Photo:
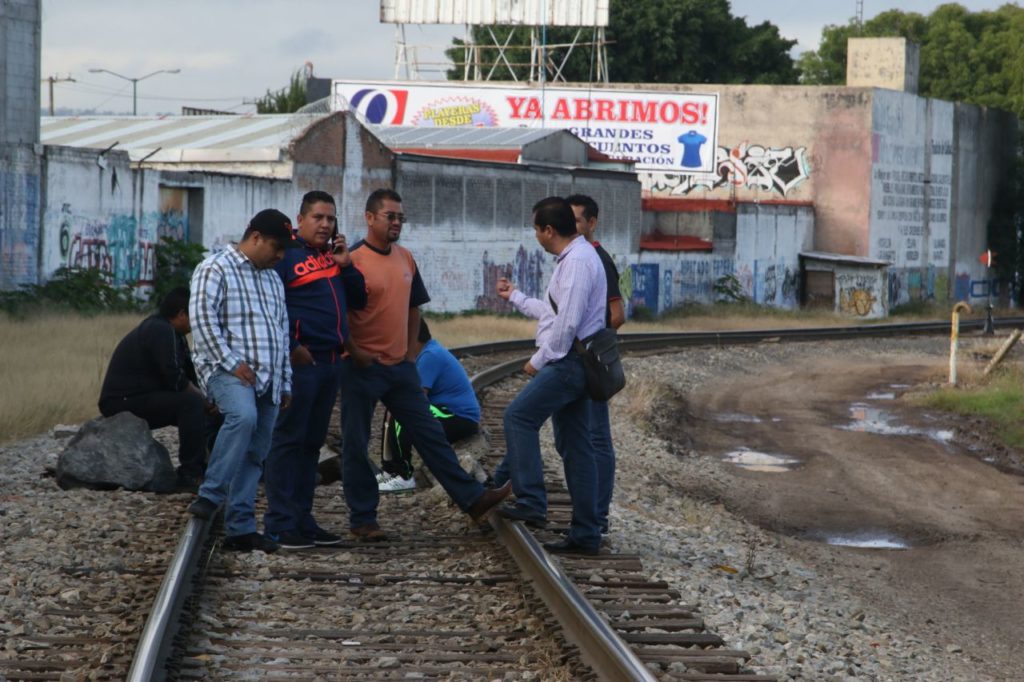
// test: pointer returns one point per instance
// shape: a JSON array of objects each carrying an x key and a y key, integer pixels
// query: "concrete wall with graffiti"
[
  {"x": 769, "y": 240},
  {"x": 768, "y": 139},
  {"x": 984, "y": 153},
  {"x": 790, "y": 144},
  {"x": 911, "y": 190},
  {"x": 470, "y": 224},
  {"x": 765, "y": 263},
  {"x": 891, "y": 175},
  {"x": 94, "y": 217},
  {"x": 861, "y": 292},
  {"x": 19, "y": 215},
  {"x": 87, "y": 210}
]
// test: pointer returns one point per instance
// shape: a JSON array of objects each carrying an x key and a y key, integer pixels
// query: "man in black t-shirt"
[
  {"x": 151, "y": 375},
  {"x": 585, "y": 209}
]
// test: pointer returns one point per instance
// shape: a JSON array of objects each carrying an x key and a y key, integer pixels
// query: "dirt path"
[{"x": 959, "y": 581}]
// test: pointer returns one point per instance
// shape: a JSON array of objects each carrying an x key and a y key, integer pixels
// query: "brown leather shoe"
[
  {"x": 369, "y": 532},
  {"x": 486, "y": 503}
]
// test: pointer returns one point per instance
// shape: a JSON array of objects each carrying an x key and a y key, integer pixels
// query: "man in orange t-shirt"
[{"x": 380, "y": 368}]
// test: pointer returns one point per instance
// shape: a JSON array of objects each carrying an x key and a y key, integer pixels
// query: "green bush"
[
  {"x": 84, "y": 290},
  {"x": 642, "y": 313},
  {"x": 728, "y": 288},
  {"x": 175, "y": 261}
]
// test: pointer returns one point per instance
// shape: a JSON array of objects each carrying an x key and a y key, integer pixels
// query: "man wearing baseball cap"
[{"x": 240, "y": 333}]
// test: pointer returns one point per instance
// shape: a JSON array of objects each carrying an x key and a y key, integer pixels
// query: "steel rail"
[
  {"x": 601, "y": 646},
  {"x": 651, "y": 340},
  {"x": 157, "y": 635}
]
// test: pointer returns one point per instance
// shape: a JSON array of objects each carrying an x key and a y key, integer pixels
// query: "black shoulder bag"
[{"x": 602, "y": 365}]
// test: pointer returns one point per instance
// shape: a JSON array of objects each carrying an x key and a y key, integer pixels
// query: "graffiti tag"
[{"x": 778, "y": 170}]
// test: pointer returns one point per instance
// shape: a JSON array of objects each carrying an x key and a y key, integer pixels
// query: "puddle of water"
[
  {"x": 867, "y": 541},
  {"x": 752, "y": 460},
  {"x": 882, "y": 395},
  {"x": 868, "y": 419},
  {"x": 736, "y": 417}
]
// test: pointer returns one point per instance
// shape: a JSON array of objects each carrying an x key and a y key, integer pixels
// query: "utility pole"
[
  {"x": 860, "y": 15},
  {"x": 56, "y": 79}
]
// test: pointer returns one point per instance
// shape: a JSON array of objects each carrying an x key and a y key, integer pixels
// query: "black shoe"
[
  {"x": 322, "y": 538},
  {"x": 202, "y": 508},
  {"x": 291, "y": 539},
  {"x": 249, "y": 542},
  {"x": 186, "y": 483},
  {"x": 567, "y": 546},
  {"x": 518, "y": 512}
]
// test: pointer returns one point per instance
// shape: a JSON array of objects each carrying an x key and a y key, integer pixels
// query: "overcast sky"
[{"x": 232, "y": 51}]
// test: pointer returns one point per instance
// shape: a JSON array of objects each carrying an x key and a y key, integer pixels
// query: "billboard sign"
[
  {"x": 496, "y": 12},
  {"x": 658, "y": 131}
]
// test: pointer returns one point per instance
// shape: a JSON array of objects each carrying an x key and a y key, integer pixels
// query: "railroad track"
[{"x": 441, "y": 599}]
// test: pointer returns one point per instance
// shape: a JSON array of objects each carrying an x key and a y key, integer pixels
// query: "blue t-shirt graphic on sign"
[{"x": 691, "y": 142}]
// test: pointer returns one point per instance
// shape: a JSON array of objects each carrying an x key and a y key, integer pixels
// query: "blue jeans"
[
  {"x": 236, "y": 462},
  {"x": 604, "y": 457},
  {"x": 290, "y": 471},
  {"x": 557, "y": 391},
  {"x": 398, "y": 387}
]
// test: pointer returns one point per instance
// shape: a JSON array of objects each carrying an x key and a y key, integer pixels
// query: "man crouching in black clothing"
[{"x": 151, "y": 375}]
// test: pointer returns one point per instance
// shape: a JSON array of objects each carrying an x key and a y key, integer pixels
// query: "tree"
[
  {"x": 286, "y": 100},
  {"x": 655, "y": 41},
  {"x": 975, "y": 57},
  {"x": 827, "y": 64}
]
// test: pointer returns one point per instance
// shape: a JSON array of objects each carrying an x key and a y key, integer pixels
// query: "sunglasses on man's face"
[{"x": 391, "y": 217}]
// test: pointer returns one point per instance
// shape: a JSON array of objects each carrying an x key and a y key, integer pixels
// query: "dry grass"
[
  {"x": 52, "y": 369},
  {"x": 472, "y": 329},
  {"x": 52, "y": 366},
  {"x": 641, "y": 398}
]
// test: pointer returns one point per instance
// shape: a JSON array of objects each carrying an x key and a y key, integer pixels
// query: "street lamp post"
[{"x": 135, "y": 83}]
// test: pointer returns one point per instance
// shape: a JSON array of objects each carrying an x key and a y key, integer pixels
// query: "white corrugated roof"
[{"x": 251, "y": 137}]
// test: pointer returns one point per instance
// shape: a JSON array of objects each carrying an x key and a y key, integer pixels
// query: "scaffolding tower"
[{"x": 588, "y": 17}]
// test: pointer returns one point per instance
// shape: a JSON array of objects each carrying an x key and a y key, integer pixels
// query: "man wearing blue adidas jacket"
[{"x": 319, "y": 288}]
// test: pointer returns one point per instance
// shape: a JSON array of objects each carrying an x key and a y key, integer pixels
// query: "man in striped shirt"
[
  {"x": 574, "y": 309},
  {"x": 240, "y": 333}
]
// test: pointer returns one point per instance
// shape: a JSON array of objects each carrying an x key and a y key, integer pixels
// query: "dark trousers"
[
  {"x": 397, "y": 456},
  {"x": 183, "y": 409},
  {"x": 398, "y": 387},
  {"x": 557, "y": 391},
  {"x": 290, "y": 470}
]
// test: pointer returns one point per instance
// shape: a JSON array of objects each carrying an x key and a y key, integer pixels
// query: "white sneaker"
[
  {"x": 383, "y": 477},
  {"x": 397, "y": 484}
]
